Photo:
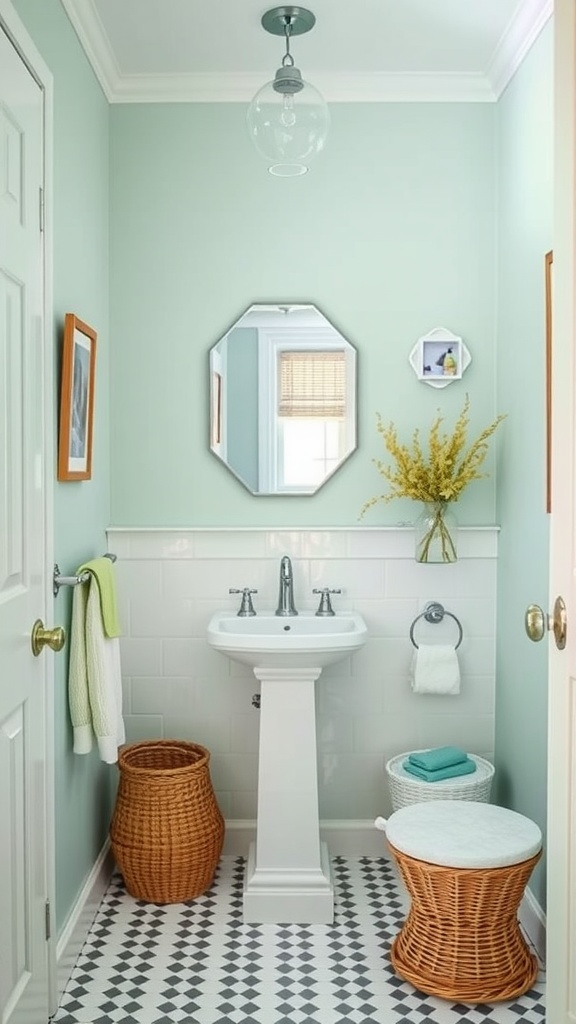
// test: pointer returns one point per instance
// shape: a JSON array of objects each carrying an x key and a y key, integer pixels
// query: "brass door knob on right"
[{"x": 537, "y": 622}]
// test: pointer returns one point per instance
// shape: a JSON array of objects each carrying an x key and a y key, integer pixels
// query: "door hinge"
[
  {"x": 47, "y": 927},
  {"x": 41, "y": 208}
]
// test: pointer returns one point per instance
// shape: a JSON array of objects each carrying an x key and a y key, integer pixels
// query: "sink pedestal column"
[{"x": 288, "y": 873}]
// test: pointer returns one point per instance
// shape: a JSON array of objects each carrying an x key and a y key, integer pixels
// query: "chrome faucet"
[{"x": 286, "y": 593}]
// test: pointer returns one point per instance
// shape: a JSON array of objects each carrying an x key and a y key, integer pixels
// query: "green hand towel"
[
  {"x": 450, "y": 772},
  {"x": 438, "y": 757},
  {"x": 103, "y": 571}
]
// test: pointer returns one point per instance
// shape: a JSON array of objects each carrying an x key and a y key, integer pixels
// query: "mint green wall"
[
  {"x": 524, "y": 236},
  {"x": 81, "y": 510},
  {"x": 390, "y": 234}
]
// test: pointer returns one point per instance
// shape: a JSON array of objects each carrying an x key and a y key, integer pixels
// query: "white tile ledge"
[
  {"x": 311, "y": 543},
  {"x": 494, "y": 528}
]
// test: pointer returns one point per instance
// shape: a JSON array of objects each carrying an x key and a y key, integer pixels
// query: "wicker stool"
[{"x": 465, "y": 865}]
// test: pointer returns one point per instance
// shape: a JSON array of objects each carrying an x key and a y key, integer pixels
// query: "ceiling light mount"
[
  {"x": 288, "y": 119},
  {"x": 298, "y": 20}
]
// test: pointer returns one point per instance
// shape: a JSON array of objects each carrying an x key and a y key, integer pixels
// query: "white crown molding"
[
  {"x": 529, "y": 20},
  {"x": 94, "y": 42},
  {"x": 336, "y": 88},
  {"x": 341, "y": 87}
]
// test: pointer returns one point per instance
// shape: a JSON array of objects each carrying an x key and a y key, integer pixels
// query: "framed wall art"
[
  {"x": 76, "y": 400},
  {"x": 439, "y": 358}
]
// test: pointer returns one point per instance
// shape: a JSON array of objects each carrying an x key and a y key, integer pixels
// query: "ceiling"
[{"x": 365, "y": 50}]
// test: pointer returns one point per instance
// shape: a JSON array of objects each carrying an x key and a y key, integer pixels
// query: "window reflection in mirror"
[{"x": 283, "y": 399}]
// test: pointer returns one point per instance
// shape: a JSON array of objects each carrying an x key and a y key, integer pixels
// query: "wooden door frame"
[
  {"x": 561, "y": 763},
  {"x": 18, "y": 34}
]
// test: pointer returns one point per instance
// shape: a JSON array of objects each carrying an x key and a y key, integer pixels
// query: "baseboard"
[
  {"x": 345, "y": 838},
  {"x": 240, "y": 832},
  {"x": 533, "y": 920},
  {"x": 79, "y": 920},
  {"x": 353, "y": 838}
]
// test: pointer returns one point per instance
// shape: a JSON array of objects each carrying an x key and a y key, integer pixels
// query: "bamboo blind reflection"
[{"x": 312, "y": 384}]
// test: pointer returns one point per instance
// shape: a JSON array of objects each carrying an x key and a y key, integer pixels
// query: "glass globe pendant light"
[{"x": 288, "y": 119}]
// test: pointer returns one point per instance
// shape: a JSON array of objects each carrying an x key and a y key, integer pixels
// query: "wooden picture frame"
[
  {"x": 548, "y": 283},
  {"x": 76, "y": 400}
]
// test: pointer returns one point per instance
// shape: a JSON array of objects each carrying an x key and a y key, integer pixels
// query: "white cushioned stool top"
[{"x": 463, "y": 834}]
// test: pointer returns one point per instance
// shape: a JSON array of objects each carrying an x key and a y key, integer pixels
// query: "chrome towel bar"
[
  {"x": 434, "y": 612},
  {"x": 58, "y": 580}
]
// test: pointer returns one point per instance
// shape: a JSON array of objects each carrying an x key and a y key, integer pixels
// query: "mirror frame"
[{"x": 216, "y": 390}]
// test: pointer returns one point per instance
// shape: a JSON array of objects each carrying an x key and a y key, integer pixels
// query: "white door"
[
  {"x": 24, "y": 949},
  {"x": 561, "y": 831}
]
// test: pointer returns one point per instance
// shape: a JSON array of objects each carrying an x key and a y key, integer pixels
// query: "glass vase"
[{"x": 435, "y": 533}]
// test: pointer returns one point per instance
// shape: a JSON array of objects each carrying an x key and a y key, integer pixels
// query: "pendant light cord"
[{"x": 287, "y": 59}]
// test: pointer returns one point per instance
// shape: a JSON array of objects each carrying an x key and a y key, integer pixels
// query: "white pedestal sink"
[{"x": 288, "y": 877}]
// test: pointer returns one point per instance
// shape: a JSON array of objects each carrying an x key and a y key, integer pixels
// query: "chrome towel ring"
[{"x": 434, "y": 612}]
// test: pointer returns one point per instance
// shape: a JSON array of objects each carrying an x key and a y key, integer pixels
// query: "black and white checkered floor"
[{"x": 198, "y": 963}]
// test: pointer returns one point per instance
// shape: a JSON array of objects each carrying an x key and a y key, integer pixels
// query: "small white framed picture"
[{"x": 439, "y": 357}]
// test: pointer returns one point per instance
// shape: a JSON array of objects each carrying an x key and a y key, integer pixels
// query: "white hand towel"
[
  {"x": 435, "y": 669},
  {"x": 95, "y": 681}
]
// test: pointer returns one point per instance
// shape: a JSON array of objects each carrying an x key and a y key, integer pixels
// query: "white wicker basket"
[{"x": 407, "y": 789}]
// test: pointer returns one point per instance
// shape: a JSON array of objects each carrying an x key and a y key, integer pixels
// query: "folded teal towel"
[
  {"x": 450, "y": 772},
  {"x": 439, "y": 757}
]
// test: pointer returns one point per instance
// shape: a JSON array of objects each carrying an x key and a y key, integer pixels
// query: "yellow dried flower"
[{"x": 443, "y": 474}]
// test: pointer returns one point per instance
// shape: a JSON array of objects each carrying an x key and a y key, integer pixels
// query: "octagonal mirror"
[{"x": 283, "y": 399}]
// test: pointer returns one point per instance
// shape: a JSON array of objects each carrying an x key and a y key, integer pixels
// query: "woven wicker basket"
[
  {"x": 167, "y": 830},
  {"x": 406, "y": 789}
]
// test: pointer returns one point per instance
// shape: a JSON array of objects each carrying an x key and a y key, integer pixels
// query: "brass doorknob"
[
  {"x": 41, "y": 637},
  {"x": 536, "y": 622}
]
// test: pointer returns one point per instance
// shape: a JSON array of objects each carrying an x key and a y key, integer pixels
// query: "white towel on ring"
[{"x": 435, "y": 669}]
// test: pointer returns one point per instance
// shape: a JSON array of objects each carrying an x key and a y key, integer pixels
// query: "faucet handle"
[
  {"x": 325, "y": 606},
  {"x": 246, "y": 606}
]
